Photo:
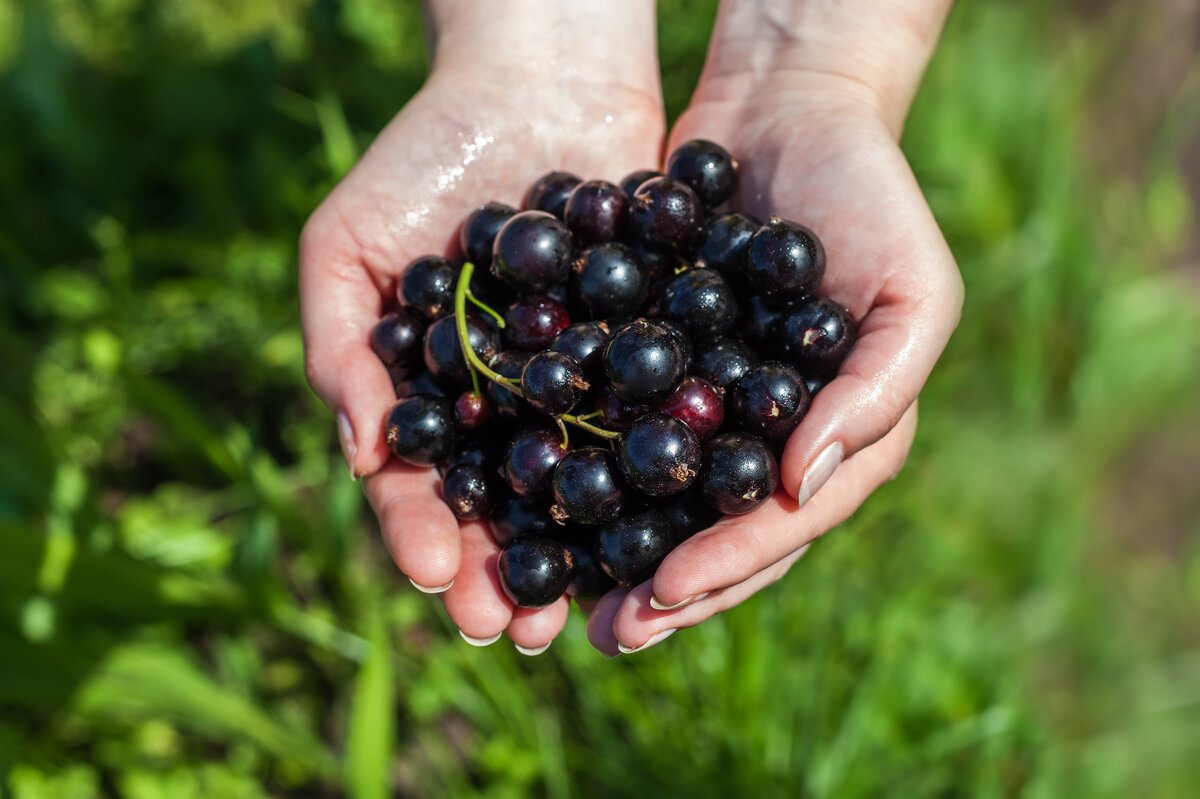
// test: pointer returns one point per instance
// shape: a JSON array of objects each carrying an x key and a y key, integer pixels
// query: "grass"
[{"x": 192, "y": 597}]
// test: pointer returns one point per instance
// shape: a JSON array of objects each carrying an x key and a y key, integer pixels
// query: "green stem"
[
  {"x": 461, "y": 292},
  {"x": 485, "y": 308}
]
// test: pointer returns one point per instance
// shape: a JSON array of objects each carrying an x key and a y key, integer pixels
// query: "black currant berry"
[
  {"x": 552, "y": 382},
  {"x": 532, "y": 322},
  {"x": 724, "y": 242},
  {"x": 608, "y": 281},
  {"x": 688, "y": 513},
  {"x": 698, "y": 404},
  {"x": 421, "y": 383},
  {"x": 471, "y": 411},
  {"x": 478, "y": 233},
  {"x": 532, "y": 252},
  {"x": 631, "y": 182},
  {"x": 817, "y": 336},
  {"x": 510, "y": 364},
  {"x": 740, "y": 472},
  {"x": 707, "y": 167},
  {"x": 419, "y": 429},
  {"x": 428, "y": 287},
  {"x": 785, "y": 262},
  {"x": 724, "y": 362},
  {"x": 397, "y": 339},
  {"x": 584, "y": 341},
  {"x": 467, "y": 491},
  {"x": 630, "y": 548},
  {"x": 700, "y": 301},
  {"x": 597, "y": 211},
  {"x": 644, "y": 360},
  {"x": 530, "y": 460},
  {"x": 534, "y": 571},
  {"x": 550, "y": 192},
  {"x": 666, "y": 213},
  {"x": 587, "y": 487},
  {"x": 516, "y": 517},
  {"x": 443, "y": 352},
  {"x": 770, "y": 400},
  {"x": 588, "y": 580},
  {"x": 658, "y": 454}
]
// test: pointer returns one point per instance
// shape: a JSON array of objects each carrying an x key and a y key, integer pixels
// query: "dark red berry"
[
  {"x": 698, "y": 404},
  {"x": 471, "y": 411},
  {"x": 597, "y": 211},
  {"x": 531, "y": 323}
]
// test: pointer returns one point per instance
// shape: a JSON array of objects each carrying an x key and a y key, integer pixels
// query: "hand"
[
  {"x": 817, "y": 145},
  {"x": 489, "y": 122}
]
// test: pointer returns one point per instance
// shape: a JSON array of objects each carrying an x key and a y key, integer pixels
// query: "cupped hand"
[
  {"x": 819, "y": 149},
  {"x": 478, "y": 131}
]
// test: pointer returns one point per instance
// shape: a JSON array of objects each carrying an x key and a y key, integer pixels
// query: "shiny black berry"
[
  {"x": 630, "y": 548},
  {"x": 530, "y": 460},
  {"x": 597, "y": 211},
  {"x": 478, "y": 232},
  {"x": 644, "y": 360},
  {"x": 724, "y": 242},
  {"x": 428, "y": 287},
  {"x": 700, "y": 301},
  {"x": 552, "y": 382},
  {"x": 587, "y": 487},
  {"x": 707, "y": 168},
  {"x": 510, "y": 364},
  {"x": 666, "y": 213},
  {"x": 468, "y": 492},
  {"x": 443, "y": 352},
  {"x": 724, "y": 362},
  {"x": 550, "y": 192},
  {"x": 532, "y": 252},
  {"x": 532, "y": 322},
  {"x": 534, "y": 571},
  {"x": 397, "y": 339},
  {"x": 608, "y": 281},
  {"x": 740, "y": 472},
  {"x": 631, "y": 182},
  {"x": 770, "y": 400},
  {"x": 584, "y": 341},
  {"x": 419, "y": 429},
  {"x": 688, "y": 513},
  {"x": 658, "y": 454},
  {"x": 817, "y": 337},
  {"x": 785, "y": 262}
]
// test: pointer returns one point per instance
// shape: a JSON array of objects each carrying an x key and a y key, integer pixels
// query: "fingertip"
[
  {"x": 534, "y": 628},
  {"x": 600, "y": 623}
]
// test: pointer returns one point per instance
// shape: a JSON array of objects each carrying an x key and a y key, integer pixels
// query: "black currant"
[
  {"x": 785, "y": 262},
  {"x": 817, "y": 336},
  {"x": 723, "y": 362},
  {"x": 534, "y": 571},
  {"x": 552, "y": 382},
  {"x": 630, "y": 183},
  {"x": 666, "y": 213},
  {"x": 597, "y": 211},
  {"x": 584, "y": 341},
  {"x": 471, "y": 411},
  {"x": 428, "y": 287},
  {"x": 770, "y": 400},
  {"x": 698, "y": 404},
  {"x": 467, "y": 491},
  {"x": 530, "y": 460},
  {"x": 587, "y": 487},
  {"x": 707, "y": 168},
  {"x": 510, "y": 364},
  {"x": 532, "y": 322},
  {"x": 478, "y": 233},
  {"x": 443, "y": 352},
  {"x": 588, "y": 579},
  {"x": 644, "y": 360},
  {"x": 550, "y": 192},
  {"x": 740, "y": 472},
  {"x": 514, "y": 516},
  {"x": 658, "y": 454},
  {"x": 724, "y": 242},
  {"x": 608, "y": 281},
  {"x": 630, "y": 548},
  {"x": 419, "y": 429},
  {"x": 397, "y": 339},
  {"x": 532, "y": 252},
  {"x": 702, "y": 302}
]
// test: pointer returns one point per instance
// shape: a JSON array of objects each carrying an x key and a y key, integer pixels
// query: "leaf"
[{"x": 372, "y": 736}]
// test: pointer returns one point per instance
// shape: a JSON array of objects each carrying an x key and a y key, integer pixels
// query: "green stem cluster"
[{"x": 462, "y": 292}]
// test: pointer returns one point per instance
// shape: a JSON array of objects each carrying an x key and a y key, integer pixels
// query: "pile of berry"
[{"x": 650, "y": 362}]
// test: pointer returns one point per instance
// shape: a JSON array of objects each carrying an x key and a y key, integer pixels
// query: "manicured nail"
[
  {"x": 654, "y": 639},
  {"x": 346, "y": 438},
  {"x": 424, "y": 589},
  {"x": 654, "y": 603},
  {"x": 819, "y": 471},
  {"x": 537, "y": 650},
  {"x": 479, "y": 641}
]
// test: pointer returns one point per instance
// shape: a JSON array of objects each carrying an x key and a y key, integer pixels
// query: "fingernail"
[
  {"x": 346, "y": 438},
  {"x": 819, "y": 471},
  {"x": 537, "y": 650},
  {"x": 654, "y": 603},
  {"x": 424, "y": 589},
  {"x": 479, "y": 641},
  {"x": 654, "y": 639}
]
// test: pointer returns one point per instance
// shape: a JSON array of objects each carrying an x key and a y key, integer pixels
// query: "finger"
[
  {"x": 339, "y": 304},
  {"x": 533, "y": 629},
  {"x": 638, "y": 626},
  {"x": 418, "y": 528},
  {"x": 600, "y": 622},
  {"x": 476, "y": 602},
  {"x": 738, "y": 547}
]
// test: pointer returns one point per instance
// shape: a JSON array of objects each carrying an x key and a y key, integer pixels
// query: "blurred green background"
[{"x": 193, "y": 600}]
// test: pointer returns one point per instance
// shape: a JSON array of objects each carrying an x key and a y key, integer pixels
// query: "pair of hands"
[{"x": 814, "y": 144}]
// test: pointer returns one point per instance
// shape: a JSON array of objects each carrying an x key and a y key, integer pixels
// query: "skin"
[{"x": 815, "y": 130}]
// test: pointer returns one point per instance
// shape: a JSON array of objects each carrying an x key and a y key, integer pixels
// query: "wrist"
[
  {"x": 557, "y": 44},
  {"x": 856, "y": 50}
]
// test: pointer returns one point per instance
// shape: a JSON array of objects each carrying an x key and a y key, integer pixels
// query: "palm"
[{"x": 459, "y": 143}]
